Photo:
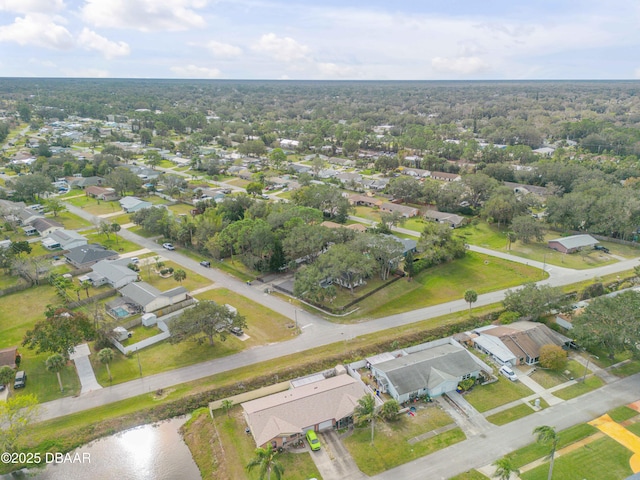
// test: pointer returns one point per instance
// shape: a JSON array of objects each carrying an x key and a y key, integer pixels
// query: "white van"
[{"x": 508, "y": 372}]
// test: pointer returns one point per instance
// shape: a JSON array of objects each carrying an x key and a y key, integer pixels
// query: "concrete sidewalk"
[{"x": 84, "y": 368}]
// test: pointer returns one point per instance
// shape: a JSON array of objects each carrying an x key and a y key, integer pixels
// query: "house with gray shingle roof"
[
  {"x": 46, "y": 226},
  {"x": 451, "y": 219},
  {"x": 404, "y": 210},
  {"x": 112, "y": 272},
  {"x": 133, "y": 204},
  {"x": 65, "y": 239},
  {"x": 433, "y": 371},
  {"x": 284, "y": 417},
  {"x": 149, "y": 299},
  {"x": 87, "y": 255}
]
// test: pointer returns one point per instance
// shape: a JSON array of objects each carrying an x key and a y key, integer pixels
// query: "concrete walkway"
[{"x": 85, "y": 370}]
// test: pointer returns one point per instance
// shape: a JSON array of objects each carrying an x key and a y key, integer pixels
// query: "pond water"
[{"x": 150, "y": 452}]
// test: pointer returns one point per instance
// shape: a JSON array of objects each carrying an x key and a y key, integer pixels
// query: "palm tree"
[
  {"x": 179, "y": 275},
  {"x": 55, "y": 363},
  {"x": 105, "y": 356},
  {"x": 115, "y": 228},
  {"x": 470, "y": 296},
  {"x": 365, "y": 412},
  {"x": 504, "y": 469},
  {"x": 546, "y": 435},
  {"x": 226, "y": 405},
  {"x": 266, "y": 462},
  {"x": 86, "y": 285}
]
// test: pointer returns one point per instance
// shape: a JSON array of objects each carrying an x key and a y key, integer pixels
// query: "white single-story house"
[
  {"x": 320, "y": 405},
  {"x": 46, "y": 226},
  {"x": 64, "y": 239},
  {"x": 433, "y": 371},
  {"x": 133, "y": 204},
  {"x": 404, "y": 210},
  {"x": 149, "y": 299},
  {"x": 451, "y": 219},
  {"x": 111, "y": 272}
]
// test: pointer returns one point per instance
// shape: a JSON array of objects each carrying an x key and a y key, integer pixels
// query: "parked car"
[
  {"x": 135, "y": 260},
  {"x": 204, "y": 263},
  {"x": 168, "y": 246},
  {"x": 312, "y": 438},
  {"x": 508, "y": 372},
  {"x": 237, "y": 331},
  {"x": 602, "y": 248},
  {"x": 21, "y": 379}
]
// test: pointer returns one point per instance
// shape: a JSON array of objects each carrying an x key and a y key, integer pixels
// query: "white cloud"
[
  {"x": 90, "y": 40},
  {"x": 283, "y": 49},
  {"x": 38, "y": 30},
  {"x": 145, "y": 15},
  {"x": 459, "y": 65},
  {"x": 32, "y": 6},
  {"x": 332, "y": 70},
  {"x": 193, "y": 71},
  {"x": 223, "y": 50}
]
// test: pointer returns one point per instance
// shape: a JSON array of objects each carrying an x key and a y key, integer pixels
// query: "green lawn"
[
  {"x": 112, "y": 242},
  {"x": 622, "y": 413},
  {"x": 44, "y": 384},
  {"x": 487, "y": 397},
  {"x": 391, "y": 440},
  {"x": 629, "y": 368},
  {"x": 470, "y": 475},
  {"x": 94, "y": 206},
  {"x": 551, "y": 378},
  {"x": 511, "y": 414},
  {"x": 263, "y": 324},
  {"x": 602, "y": 459},
  {"x": 181, "y": 208},
  {"x": 444, "y": 283},
  {"x": 71, "y": 221},
  {"x": 490, "y": 236},
  {"x": 534, "y": 451},
  {"x": 138, "y": 230},
  {"x": 192, "y": 282},
  {"x": 580, "y": 388}
]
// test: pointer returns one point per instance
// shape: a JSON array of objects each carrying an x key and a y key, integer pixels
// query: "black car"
[
  {"x": 204, "y": 263},
  {"x": 237, "y": 331},
  {"x": 602, "y": 248}
]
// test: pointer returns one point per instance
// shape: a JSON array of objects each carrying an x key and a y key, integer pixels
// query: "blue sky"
[{"x": 321, "y": 39}]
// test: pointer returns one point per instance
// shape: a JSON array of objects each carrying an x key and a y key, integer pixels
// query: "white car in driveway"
[
  {"x": 168, "y": 246},
  {"x": 508, "y": 372}
]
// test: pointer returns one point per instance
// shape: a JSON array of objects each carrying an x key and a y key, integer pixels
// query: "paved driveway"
[{"x": 333, "y": 460}]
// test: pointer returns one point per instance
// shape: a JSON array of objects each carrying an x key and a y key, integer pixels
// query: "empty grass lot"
[
  {"x": 470, "y": 475},
  {"x": 94, "y": 206},
  {"x": 551, "y": 378},
  {"x": 445, "y": 283},
  {"x": 192, "y": 282},
  {"x": 391, "y": 441},
  {"x": 118, "y": 244},
  {"x": 487, "y": 397},
  {"x": 71, "y": 221},
  {"x": 602, "y": 459},
  {"x": 580, "y": 388}
]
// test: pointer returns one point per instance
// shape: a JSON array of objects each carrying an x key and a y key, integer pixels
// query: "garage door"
[{"x": 325, "y": 425}]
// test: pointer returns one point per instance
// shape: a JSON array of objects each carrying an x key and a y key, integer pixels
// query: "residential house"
[
  {"x": 408, "y": 244},
  {"x": 345, "y": 162},
  {"x": 364, "y": 200},
  {"x": 283, "y": 417},
  {"x": 523, "y": 189},
  {"x": 111, "y": 272},
  {"x": 572, "y": 244},
  {"x": 453, "y": 220},
  {"x": 64, "y": 239},
  {"x": 446, "y": 177},
  {"x": 358, "y": 227},
  {"x": 133, "y": 204},
  {"x": 377, "y": 184},
  {"x": 85, "y": 182},
  {"x": 349, "y": 178},
  {"x": 26, "y": 216},
  {"x": 416, "y": 172},
  {"x": 45, "y": 226},
  {"x": 149, "y": 299},
  {"x": 404, "y": 210},
  {"x": 522, "y": 339},
  {"x": 102, "y": 193},
  {"x": 87, "y": 255},
  {"x": 433, "y": 371},
  {"x": 299, "y": 169}
]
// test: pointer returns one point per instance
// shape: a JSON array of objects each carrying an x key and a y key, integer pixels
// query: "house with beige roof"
[{"x": 319, "y": 405}]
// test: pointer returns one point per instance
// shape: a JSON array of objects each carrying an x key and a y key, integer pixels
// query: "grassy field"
[
  {"x": 95, "y": 206},
  {"x": 511, "y": 414},
  {"x": 580, "y": 388},
  {"x": 444, "y": 283},
  {"x": 490, "y": 236},
  {"x": 603, "y": 459},
  {"x": 487, "y": 397},
  {"x": 112, "y": 242},
  {"x": 192, "y": 282},
  {"x": 470, "y": 475},
  {"x": 551, "y": 378},
  {"x": 391, "y": 440}
]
